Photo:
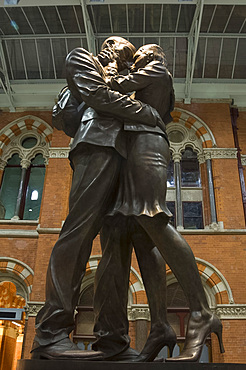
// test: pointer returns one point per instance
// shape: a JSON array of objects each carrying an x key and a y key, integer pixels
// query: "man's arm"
[{"x": 86, "y": 84}]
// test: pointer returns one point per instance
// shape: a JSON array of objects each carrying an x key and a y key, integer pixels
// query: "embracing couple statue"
[{"x": 119, "y": 158}]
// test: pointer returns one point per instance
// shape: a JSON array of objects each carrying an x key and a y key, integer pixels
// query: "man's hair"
[
  {"x": 116, "y": 39},
  {"x": 158, "y": 53}
]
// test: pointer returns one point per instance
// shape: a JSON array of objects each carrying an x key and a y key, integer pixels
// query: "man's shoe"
[
  {"x": 65, "y": 349},
  {"x": 126, "y": 356}
]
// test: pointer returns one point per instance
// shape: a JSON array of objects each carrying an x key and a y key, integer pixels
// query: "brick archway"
[
  {"x": 21, "y": 125},
  {"x": 136, "y": 287},
  {"x": 22, "y": 272},
  {"x": 213, "y": 281},
  {"x": 194, "y": 123}
]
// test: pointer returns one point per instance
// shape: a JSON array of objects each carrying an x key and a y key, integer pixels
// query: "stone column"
[
  {"x": 179, "y": 208},
  {"x": 24, "y": 164},
  {"x": 2, "y": 167},
  {"x": 211, "y": 189},
  {"x": 141, "y": 315}
]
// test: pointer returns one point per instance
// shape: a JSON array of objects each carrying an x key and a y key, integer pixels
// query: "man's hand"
[
  {"x": 107, "y": 56},
  {"x": 111, "y": 70}
]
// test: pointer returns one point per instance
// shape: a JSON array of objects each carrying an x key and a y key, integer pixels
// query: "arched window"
[
  {"x": 24, "y": 148},
  {"x": 184, "y": 197},
  {"x": 22, "y": 187},
  {"x": 10, "y": 187},
  {"x": 189, "y": 174}
]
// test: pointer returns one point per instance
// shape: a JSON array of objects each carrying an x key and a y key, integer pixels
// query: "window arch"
[
  {"x": 188, "y": 136},
  {"x": 24, "y": 148},
  {"x": 19, "y": 273},
  {"x": 215, "y": 285}
]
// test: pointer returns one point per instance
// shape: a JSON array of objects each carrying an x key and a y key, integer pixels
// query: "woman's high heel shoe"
[
  {"x": 157, "y": 339},
  {"x": 198, "y": 330}
]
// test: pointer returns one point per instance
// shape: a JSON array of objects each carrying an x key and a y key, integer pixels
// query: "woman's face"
[{"x": 142, "y": 57}]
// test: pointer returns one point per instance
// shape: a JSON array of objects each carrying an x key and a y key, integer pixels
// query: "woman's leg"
[
  {"x": 179, "y": 256},
  {"x": 153, "y": 271}
]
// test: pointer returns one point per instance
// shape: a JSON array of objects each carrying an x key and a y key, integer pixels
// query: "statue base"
[{"x": 105, "y": 365}]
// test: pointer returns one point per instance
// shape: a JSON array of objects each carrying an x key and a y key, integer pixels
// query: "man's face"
[
  {"x": 142, "y": 57},
  {"x": 113, "y": 49}
]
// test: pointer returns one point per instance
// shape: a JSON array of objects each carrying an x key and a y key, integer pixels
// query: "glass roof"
[{"x": 36, "y": 39}]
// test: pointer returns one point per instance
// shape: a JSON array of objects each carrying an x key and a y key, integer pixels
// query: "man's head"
[
  {"x": 119, "y": 49},
  {"x": 147, "y": 54}
]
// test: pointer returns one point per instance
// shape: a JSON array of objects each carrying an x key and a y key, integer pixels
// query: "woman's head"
[{"x": 146, "y": 54}]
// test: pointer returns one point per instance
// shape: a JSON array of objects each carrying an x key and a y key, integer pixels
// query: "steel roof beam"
[
  {"x": 90, "y": 37},
  {"x": 125, "y": 34},
  {"x": 6, "y": 84},
  {"x": 193, "y": 39},
  {"x": 88, "y": 2}
]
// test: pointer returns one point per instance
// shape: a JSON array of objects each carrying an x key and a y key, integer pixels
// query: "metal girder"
[
  {"x": 91, "y": 40},
  {"x": 6, "y": 83},
  {"x": 125, "y": 34},
  {"x": 89, "y": 2},
  {"x": 193, "y": 39}
]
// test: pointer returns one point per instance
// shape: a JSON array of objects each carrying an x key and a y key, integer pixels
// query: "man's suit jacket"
[{"x": 102, "y": 123}]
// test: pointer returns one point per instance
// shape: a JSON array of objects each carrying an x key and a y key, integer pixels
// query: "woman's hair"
[{"x": 158, "y": 53}]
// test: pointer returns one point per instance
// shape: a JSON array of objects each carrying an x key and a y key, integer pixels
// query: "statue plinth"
[{"x": 104, "y": 365}]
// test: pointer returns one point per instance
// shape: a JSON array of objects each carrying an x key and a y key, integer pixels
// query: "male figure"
[
  {"x": 142, "y": 197},
  {"x": 96, "y": 156}
]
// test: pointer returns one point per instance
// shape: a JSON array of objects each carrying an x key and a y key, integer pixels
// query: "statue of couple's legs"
[{"x": 118, "y": 235}]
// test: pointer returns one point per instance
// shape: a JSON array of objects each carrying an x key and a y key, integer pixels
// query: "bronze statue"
[
  {"x": 96, "y": 156},
  {"x": 119, "y": 158},
  {"x": 142, "y": 198}
]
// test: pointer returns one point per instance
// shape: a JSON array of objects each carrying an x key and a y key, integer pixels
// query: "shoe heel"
[
  {"x": 218, "y": 332},
  {"x": 171, "y": 348}
]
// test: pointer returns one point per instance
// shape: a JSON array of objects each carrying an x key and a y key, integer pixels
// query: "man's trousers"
[{"x": 95, "y": 179}]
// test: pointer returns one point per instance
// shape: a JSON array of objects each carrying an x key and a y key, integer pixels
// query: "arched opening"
[
  {"x": 21, "y": 188},
  {"x": 188, "y": 185},
  {"x": 12, "y": 323},
  {"x": 24, "y": 149}
]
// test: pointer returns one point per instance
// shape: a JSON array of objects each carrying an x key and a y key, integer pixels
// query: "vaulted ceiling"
[{"x": 204, "y": 41}]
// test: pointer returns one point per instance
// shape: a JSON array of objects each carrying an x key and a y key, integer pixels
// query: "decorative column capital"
[
  {"x": 32, "y": 308},
  {"x": 201, "y": 158},
  {"x": 25, "y": 163},
  {"x": 138, "y": 312},
  {"x": 2, "y": 164},
  {"x": 207, "y": 155},
  {"x": 176, "y": 156}
]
